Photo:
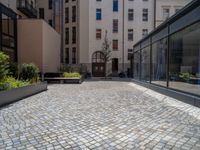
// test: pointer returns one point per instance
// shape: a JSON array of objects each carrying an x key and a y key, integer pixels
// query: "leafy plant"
[
  {"x": 71, "y": 75},
  {"x": 10, "y": 83},
  {"x": 29, "y": 72},
  {"x": 185, "y": 76},
  {"x": 4, "y": 65}
]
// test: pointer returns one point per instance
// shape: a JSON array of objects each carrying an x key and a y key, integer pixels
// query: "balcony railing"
[{"x": 26, "y": 8}]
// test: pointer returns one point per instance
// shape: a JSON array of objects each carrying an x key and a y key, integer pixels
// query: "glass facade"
[
  {"x": 184, "y": 59},
  {"x": 136, "y": 65},
  {"x": 159, "y": 62},
  {"x": 8, "y": 33},
  {"x": 172, "y": 57},
  {"x": 145, "y": 64}
]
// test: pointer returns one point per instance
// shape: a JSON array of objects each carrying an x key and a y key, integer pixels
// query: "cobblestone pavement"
[{"x": 99, "y": 115}]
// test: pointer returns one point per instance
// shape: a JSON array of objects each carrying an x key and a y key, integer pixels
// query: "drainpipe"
[
  {"x": 154, "y": 20},
  {"x": 123, "y": 67}
]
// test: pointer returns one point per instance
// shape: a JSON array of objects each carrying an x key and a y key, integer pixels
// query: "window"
[
  {"x": 166, "y": 14},
  {"x": 144, "y": 32},
  {"x": 145, "y": 64},
  {"x": 159, "y": 62},
  {"x": 67, "y": 55},
  {"x": 184, "y": 60},
  {"x": 41, "y": 13},
  {"x": 115, "y": 45},
  {"x": 115, "y": 5},
  {"x": 73, "y": 13},
  {"x": 137, "y": 68},
  {"x": 50, "y": 22},
  {"x": 130, "y": 14},
  {"x": 73, "y": 55},
  {"x": 98, "y": 34},
  {"x": 130, "y": 34},
  {"x": 115, "y": 25},
  {"x": 145, "y": 15},
  {"x": 67, "y": 15},
  {"x": 67, "y": 36},
  {"x": 73, "y": 35},
  {"x": 98, "y": 14},
  {"x": 50, "y": 4}
]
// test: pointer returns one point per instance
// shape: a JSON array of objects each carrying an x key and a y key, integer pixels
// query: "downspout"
[
  {"x": 154, "y": 23},
  {"x": 123, "y": 67}
]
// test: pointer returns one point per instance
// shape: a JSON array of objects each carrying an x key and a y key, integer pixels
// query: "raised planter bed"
[
  {"x": 63, "y": 80},
  {"x": 7, "y": 97}
]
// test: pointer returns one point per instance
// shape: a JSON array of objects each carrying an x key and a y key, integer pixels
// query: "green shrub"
[
  {"x": 185, "y": 76},
  {"x": 4, "y": 65},
  {"x": 29, "y": 72},
  {"x": 10, "y": 83},
  {"x": 71, "y": 75}
]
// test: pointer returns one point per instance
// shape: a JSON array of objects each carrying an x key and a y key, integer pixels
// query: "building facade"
[
  {"x": 83, "y": 24},
  {"x": 126, "y": 21},
  {"x": 27, "y": 39},
  {"x": 167, "y": 8},
  {"x": 170, "y": 56}
]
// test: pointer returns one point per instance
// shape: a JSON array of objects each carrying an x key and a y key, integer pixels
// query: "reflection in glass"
[
  {"x": 185, "y": 60},
  {"x": 145, "y": 64},
  {"x": 137, "y": 65},
  {"x": 159, "y": 62}
]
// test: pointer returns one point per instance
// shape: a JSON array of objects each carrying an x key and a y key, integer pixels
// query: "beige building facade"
[
  {"x": 33, "y": 40},
  {"x": 167, "y": 8},
  {"x": 40, "y": 46}
]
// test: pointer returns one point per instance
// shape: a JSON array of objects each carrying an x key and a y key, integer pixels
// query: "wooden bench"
[{"x": 63, "y": 80}]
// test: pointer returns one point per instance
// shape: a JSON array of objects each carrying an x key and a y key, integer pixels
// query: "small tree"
[
  {"x": 4, "y": 65},
  {"x": 106, "y": 51}
]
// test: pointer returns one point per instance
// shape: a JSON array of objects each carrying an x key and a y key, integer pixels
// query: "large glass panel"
[
  {"x": 5, "y": 25},
  {"x": 185, "y": 60},
  {"x": 137, "y": 65},
  {"x": 159, "y": 62},
  {"x": 145, "y": 64}
]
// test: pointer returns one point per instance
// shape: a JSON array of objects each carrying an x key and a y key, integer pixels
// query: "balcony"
[{"x": 26, "y": 8}]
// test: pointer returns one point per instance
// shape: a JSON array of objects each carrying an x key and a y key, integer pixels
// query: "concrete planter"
[
  {"x": 63, "y": 80},
  {"x": 7, "y": 97}
]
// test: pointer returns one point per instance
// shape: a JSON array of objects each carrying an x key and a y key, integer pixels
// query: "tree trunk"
[{"x": 105, "y": 70}]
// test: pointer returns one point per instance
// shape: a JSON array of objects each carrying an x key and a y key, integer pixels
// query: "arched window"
[{"x": 98, "y": 57}]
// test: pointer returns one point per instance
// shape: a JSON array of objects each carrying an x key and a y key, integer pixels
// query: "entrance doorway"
[
  {"x": 98, "y": 64},
  {"x": 115, "y": 64}
]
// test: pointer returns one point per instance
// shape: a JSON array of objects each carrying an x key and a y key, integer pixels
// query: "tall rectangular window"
[
  {"x": 41, "y": 13},
  {"x": 73, "y": 55},
  {"x": 67, "y": 15},
  {"x": 130, "y": 14},
  {"x": 67, "y": 55},
  {"x": 166, "y": 14},
  {"x": 115, "y": 45},
  {"x": 98, "y": 14},
  {"x": 145, "y": 14},
  {"x": 50, "y": 4},
  {"x": 115, "y": 25},
  {"x": 73, "y": 35},
  {"x": 67, "y": 36},
  {"x": 98, "y": 34},
  {"x": 115, "y": 5},
  {"x": 130, "y": 34},
  {"x": 144, "y": 32},
  {"x": 73, "y": 13}
]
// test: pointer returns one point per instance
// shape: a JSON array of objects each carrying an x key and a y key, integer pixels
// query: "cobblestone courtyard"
[{"x": 99, "y": 115}]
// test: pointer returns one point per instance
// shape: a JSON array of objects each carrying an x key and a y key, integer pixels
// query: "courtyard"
[{"x": 99, "y": 115}]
